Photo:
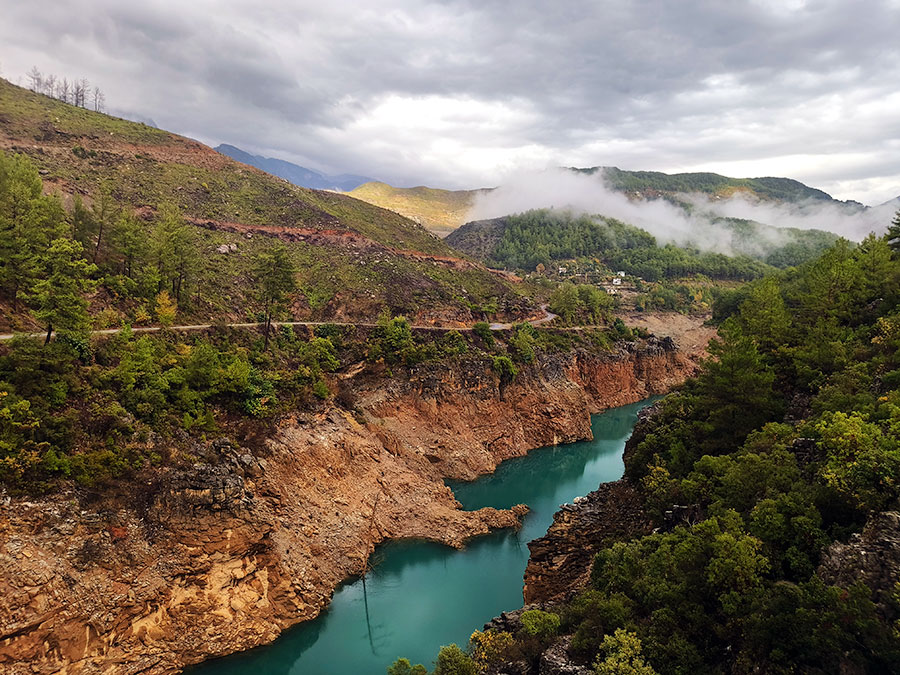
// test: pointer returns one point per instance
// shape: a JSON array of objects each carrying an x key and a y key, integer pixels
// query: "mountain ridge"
[
  {"x": 443, "y": 211},
  {"x": 355, "y": 259},
  {"x": 296, "y": 174},
  {"x": 440, "y": 211}
]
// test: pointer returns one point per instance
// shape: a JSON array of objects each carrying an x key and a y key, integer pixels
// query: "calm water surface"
[{"x": 419, "y": 595}]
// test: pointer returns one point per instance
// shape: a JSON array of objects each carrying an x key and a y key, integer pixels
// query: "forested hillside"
[
  {"x": 655, "y": 182},
  {"x": 756, "y": 475},
  {"x": 545, "y": 236},
  {"x": 107, "y": 224}
]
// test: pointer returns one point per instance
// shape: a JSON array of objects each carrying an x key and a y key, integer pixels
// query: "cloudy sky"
[{"x": 465, "y": 93}]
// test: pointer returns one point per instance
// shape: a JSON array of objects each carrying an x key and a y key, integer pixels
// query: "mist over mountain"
[
  {"x": 296, "y": 174},
  {"x": 684, "y": 209}
]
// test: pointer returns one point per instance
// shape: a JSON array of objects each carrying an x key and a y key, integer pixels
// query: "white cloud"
[
  {"x": 561, "y": 189},
  {"x": 457, "y": 92}
]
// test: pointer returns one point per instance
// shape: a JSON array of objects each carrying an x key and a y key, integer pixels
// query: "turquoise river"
[{"x": 419, "y": 595}]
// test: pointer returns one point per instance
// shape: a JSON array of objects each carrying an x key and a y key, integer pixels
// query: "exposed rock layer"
[
  {"x": 225, "y": 555},
  {"x": 560, "y": 562},
  {"x": 872, "y": 557}
]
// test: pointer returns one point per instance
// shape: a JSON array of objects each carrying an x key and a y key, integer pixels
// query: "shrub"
[
  {"x": 166, "y": 309},
  {"x": 620, "y": 654},
  {"x": 490, "y": 648},
  {"x": 522, "y": 342},
  {"x": 330, "y": 331},
  {"x": 540, "y": 624},
  {"x": 394, "y": 339},
  {"x": 320, "y": 390},
  {"x": 483, "y": 330},
  {"x": 404, "y": 667},
  {"x": 452, "y": 660},
  {"x": 505, "y": 368},
  {"x": 453, "y": 343}
]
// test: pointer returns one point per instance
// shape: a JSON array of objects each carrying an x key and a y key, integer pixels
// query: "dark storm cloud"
[{"x": 458, "y": 92}]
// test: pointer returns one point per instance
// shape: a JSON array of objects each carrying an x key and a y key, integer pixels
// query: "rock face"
[
  {"x": 225, "y": 554},
  {"x": 871, "y": 556},
  {"x": 560, "y": 561},
  {"x": 556, "y": 660}
]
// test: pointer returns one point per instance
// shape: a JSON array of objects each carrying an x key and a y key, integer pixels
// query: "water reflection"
[
  {"x": 543, "y": 469},
  {"x": 418, "y": 595}
]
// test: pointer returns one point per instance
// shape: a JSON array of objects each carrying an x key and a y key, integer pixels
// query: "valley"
[
  {"x": 228, "y": 401},
  {"x": 256, "y": 536}
]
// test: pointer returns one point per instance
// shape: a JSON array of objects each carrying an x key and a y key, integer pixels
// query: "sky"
[{"x": 470, "y": 93}]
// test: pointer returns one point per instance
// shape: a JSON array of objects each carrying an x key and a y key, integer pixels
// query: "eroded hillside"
[{"x": 356, "y": 258}]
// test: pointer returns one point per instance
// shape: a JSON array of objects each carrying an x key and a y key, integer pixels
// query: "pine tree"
[
  {"x": 105, "y": 211},
  {"x": 276, "y": 278},
  {"x": 128, "y": 244},
  {"x": 84, "y": 227},
  {"x": 737, "y": 387},
  {"x": 29, "y": 220},
  {"x": 893, "y": 233},
  {"x": 58, "y": 297},
  {"x": 175, "y": 252}
]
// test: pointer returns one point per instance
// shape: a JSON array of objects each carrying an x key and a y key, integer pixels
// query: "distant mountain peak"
[{"x": 294, "y": 173}]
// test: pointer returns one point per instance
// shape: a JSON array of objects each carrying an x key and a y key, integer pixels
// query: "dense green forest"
[
  {"x": 543, "y": 236},
  {"x": 777, "y": 246},
  {"x": 787, "y": 441},
  {"x": 546, "y": 236}
]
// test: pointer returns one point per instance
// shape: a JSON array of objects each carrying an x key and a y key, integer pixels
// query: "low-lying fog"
[{"x": 582, "y": 193}]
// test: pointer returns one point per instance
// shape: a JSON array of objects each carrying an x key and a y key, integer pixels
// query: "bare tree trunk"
[
  {"x": 99, "y": 239},
  {"x": 268, "y": 311},
  {"x": 49, "y": 333}
]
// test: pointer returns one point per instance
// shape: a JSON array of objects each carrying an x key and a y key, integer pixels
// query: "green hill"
[
  {"x": 441, "y": 211},
  {"x": 355, "y": 258},
  {"x": 656, "y": 183},
  {"x": 545, "y": 236}
]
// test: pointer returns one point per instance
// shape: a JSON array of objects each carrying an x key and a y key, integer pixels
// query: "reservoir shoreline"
[
  {"x": 420, "y": 595},
  {"x": 227, "y": 554}
]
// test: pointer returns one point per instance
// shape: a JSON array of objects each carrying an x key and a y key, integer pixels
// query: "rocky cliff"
[
  {"x": 872, "y": 557},
  {"x": 255, "y": 535},
  {"x": 560, "y": 561}
]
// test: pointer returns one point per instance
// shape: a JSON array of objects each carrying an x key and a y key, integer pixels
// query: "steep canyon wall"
[{"x": 254, "y": 537}]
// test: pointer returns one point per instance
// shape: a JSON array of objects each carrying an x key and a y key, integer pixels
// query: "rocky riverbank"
[
  {"x": 254, "y": 537},
  {"x": 560, "y": 562}
]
